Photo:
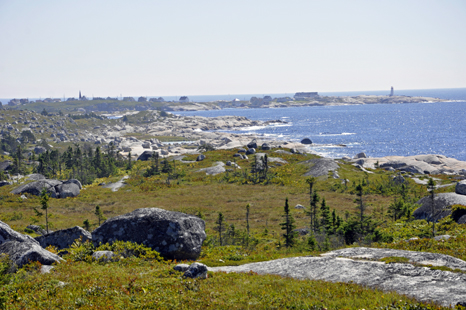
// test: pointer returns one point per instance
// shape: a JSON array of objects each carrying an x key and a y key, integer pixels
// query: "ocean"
[{"x": 378, "y": 130}]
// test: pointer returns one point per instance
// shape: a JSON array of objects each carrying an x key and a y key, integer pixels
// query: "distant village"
[{"x": 183, "y": 99}]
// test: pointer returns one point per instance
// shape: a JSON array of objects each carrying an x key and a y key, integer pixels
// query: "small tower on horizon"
[
  {"x": 80, "y": 94},
  {"x": 391, "y": 92}
]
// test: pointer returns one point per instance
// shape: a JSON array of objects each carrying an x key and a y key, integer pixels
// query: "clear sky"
[{"x": 155, "y": 48}]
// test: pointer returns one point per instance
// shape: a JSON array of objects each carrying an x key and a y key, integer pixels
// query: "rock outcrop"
[
  {"x": 63, "y": 239},
  {"x": 55, "y": 188},
  {"x": 22, "y": 253},
  {"x": 444, "y": 287},
  {"x": 196, "y": 270},
  {"x": 8, "y": 234},
  {"x": 174, "y": 235},
  {"x": 442, "y": 202}
]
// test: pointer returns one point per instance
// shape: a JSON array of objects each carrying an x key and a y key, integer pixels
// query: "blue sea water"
[{"x": 378, "y": 130}]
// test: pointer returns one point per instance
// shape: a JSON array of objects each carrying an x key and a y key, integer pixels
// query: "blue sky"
[{"x": 156, "y": 48}]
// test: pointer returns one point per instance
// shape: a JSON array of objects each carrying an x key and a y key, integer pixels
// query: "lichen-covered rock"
[
  {"x": 21, "y": 253},
  {"x": 63, "y": 239},
  {"x": 442, "y": 202},
  {"x": 320, "y": 166},
  {"x": 8, "y": 234},
  {"x": 252, "y": 145},
  {"x": 174, "y": 235},
  {"x": 181, "y": 267},
  {"x": 146, "y": 155},
  {"x": 196, "y": 270},
  {"x": 37, "y": 229}
]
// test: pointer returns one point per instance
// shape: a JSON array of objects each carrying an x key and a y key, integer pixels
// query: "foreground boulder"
[
  {"x": 55, "y": 188},
  {"x": 444, "y": 287},
  {"x": 196, "y": 270},
  {"x": 22, "y": 253},
  {"x": 442, "y": 202},
  {"x": 8, "y": 234},
  {"x": 174, "y": 235},
  {"x": 63, "y": 239}
]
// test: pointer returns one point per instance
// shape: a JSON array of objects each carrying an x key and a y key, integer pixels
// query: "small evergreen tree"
[
  {"x": 44, "y": 202},
  {"x": 87, "y": 225},
  {"x": 220, "y": 228},
  {"x": 431, "y": 188},
  {"x": 311, "y": 241},
  {"x": 130, "y": 164},
  {"x": 326, "y": 219},
  {"x": 100, "y": 215},
  {"x": 247, "y": 224},
  {"x": 288, "y": 225}
]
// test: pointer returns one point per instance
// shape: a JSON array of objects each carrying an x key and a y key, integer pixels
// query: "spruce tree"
[
  {"x": 44, "y": 202},
  {"x": 220, "y": 228},
  {"x": 326, "y": 220},
  {"x": 431, "y": 188},
  {"x": 288, "y": 225},
  {"x": 100, "y": 215}
]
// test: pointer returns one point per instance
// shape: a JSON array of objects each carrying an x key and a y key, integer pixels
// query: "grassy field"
[{"x": 138, "y": 283}]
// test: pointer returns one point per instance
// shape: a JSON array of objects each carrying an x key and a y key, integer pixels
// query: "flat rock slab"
[
  {"x": 424, "y": 284},
  {"x": 425, "y": 258},
  {"x": 117, "y": 185},
  {"x": 8, "y": 234},
  {"x": 217, "y": 168}
]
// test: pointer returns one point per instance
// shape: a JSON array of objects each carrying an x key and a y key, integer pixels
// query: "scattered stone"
[
  {"x": 23, "y": 197},
  {"x": 40, "y": 150},
  {"x": 335, "y": 175},
  {"x": 460, "y": 188},
  {"x": 45, "y": 269},
  {"x": 252, "y": 145},
  {"x": 5, "y": 183},
  {"x": 399, "y": 179},
  {"x": 63, "y": 239},
  {"x": 298, "y": 206},
  {"x": 217, "y": 168},
  {"x": 241, "y": 150},
  {"x": 104, "y": 256},
  {"x": 250, "y": 151},
  {"x": 265, "y": 147},
  {"x": 301, "y": 231},
  {"x": 244, "y": 156},
  {"x": 306, "y": 141},
  {"x": 35, "y": 177},
  {"x": 181, "y": 267},
  {"x": 201, "y": 157},
  {"x": 237, "y": 155},
  {"x": 228, "y": 163},
  {"x": 22, "y": 253},
  {"x": 360, "y": 155},
  {"x": 145, "y": 156},
  {"x": 37, "y": 229},
  {"x": 174, "y": 235},
  {"x": 442, "y": 237},
  {"x": 196, "y": 270},
  {"x": 8, "y": 234}
]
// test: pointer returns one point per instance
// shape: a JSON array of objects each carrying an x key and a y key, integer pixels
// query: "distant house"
[
  {"x": 71, "y": 99},
  {"x": 305, "y": 96},
  {"x": 284, "y": 99},
  {"x": 14, "y": 102},
  {"x": 98, "y": 98},
  {"x": 51, "y": 100},
  {"x": 24, "y": 101},
  {"x": 128, "y": 99},
  {"x": 184, "y": 99},
  {"x": 159, "y": 99},
  {"x": 142, "y": 99}
]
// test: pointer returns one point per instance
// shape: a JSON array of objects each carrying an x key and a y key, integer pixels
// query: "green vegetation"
[{"x": 369, "y": 209}]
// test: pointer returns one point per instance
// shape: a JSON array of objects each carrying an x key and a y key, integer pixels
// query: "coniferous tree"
[
  {"x": 220, "y": 228},
  {"x": 431, "y": 188},
  {"x": 87, "y": 225},
  {"x": 361, "y": 206},
  {"x": 288, "y": 225},
  {"x": 100, "y": 215},
  {"x": 326, "y": 220},
  {"x": 44, "y": 202}
]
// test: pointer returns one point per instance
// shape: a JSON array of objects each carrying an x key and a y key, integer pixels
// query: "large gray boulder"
[
  {"x": 252, "y": 145},
  {"x": 196, "y": 270},
  {"x": 22, "y": 253},
  {"x": 460, "y": 187},
  {"x": 55, "y": 188},
  {"x": 320, "y": 166},
  {"x": 217, "y": 168},
  {"x": 35, "y": 177},
  {"x": 8, "y": 234},
  {"x": 63, "y": 239},
  {"x": 174, "y": 235},
  {"x": 67, "y": 189},
  {"x": 306, "y": 141},
  {"x": 35, "y": 188},
  {"x": 443, "y": 287},
  {"x": 442, "y": 202}
]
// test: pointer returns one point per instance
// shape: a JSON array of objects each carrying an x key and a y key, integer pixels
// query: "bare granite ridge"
[{"x": 444, "y": 287}]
